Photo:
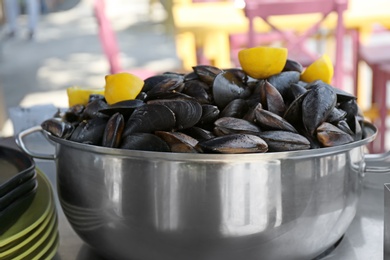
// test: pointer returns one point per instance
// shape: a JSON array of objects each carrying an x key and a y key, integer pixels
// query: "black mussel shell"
[
  {"x": 144, "y": 142},
  {"x": 280, "y": 141},
  {"x": 112, "y": 135},
  {"x": 57, "y": 127},
  {"x": 125, "y": 107},
  {"x": 178, "y": 142},
  {"x": 317, "y": 105},
  {"x": 149, "y": 118},
  {"x": 187, "y": 112},
  {"x": 234, "y": 143},
  {"x": 226, "y": 87}
]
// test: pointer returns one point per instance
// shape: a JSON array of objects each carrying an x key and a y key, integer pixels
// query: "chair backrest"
[
  {"x": 107, "y": 37},
  {"x": 267, "y": 8}
]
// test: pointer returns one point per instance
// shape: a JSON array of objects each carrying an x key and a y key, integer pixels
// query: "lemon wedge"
[
  {"x": 122, "y": 86},
  {"x": 320, "y": 69},
  {"x": 80, "y": 95},
  {"x": 263, "y": 61}
]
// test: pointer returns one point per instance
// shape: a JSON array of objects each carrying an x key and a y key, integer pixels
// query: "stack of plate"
[
  {"x": 33, "y": 232},
  {"x": 18, "y": 185}
]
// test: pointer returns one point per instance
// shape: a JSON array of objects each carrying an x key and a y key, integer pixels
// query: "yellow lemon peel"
[
  {"x": 80, "y": 95},
  {"x": 263, "y": 61},
  {"x": 320, "y": 69},
  {"x": 122, "y": 86}
]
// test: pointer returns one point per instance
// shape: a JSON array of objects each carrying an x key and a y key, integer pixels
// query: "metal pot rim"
[{"x": 369, "y": 129}]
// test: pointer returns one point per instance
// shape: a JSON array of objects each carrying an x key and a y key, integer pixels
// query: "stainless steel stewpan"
[{"x": 152, "y": 205}]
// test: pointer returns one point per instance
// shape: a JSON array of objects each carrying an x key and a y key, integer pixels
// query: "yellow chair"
[{"x": 202, "y": 31}]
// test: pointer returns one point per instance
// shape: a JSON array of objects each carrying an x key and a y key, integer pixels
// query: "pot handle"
[
  {"x": 19, "y": 141},
  {"x": 372, "y": 159}
]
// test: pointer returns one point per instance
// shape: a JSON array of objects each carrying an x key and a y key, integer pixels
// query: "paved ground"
[{"x": 67, "y": 51}]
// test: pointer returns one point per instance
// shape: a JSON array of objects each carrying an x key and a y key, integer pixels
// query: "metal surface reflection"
[{"x": 143, "y": 207}]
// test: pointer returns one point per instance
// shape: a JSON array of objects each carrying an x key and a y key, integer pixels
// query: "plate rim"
[
  {"x": 40, "y": 229},
  {"x": 23, "y": 174},
  {"x": 45, "y": 241},
  {"x": 43, "y": 183}
]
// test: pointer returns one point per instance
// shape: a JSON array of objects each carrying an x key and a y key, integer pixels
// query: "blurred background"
[
  {"x": 78, "y": 42},
  {"x": 67, "y": 51}
]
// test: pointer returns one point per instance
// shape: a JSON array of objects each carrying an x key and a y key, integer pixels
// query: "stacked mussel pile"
[{"x": 213, "y": 110}]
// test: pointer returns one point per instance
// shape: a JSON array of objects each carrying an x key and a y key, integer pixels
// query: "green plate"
[
  {"x": 40, "y": 243},
  {"x": 22, "y": 241},
  {"x": 38, "y": 211},
  {"x": 49, "y": 247},
  {"x": 52, "y": 250}
]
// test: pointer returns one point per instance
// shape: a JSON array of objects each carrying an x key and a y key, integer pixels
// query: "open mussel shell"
[
  {"x": 198, "y": 133},
  {"x": 57, "y": 127},
  {"x": 234, "y": 143},
  {"x": 336, "y": 115},
  {"x": 343, "y": 96},
  {"x": 330, "y": 135},
  {"x": 206, "y": 73},
  {"x": 351, "y": 126},
  {"x": 178, "y": 142},
  {"x": 350, "y": 106},
  {"x": 343, "y": 125},
  {"x": 356, "y": 126}
]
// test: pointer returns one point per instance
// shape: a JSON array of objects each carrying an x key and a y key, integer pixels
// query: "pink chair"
[
  {"x": 377, "y": 57},
  {"x": 110, "y": 44},
  {"x": 293, "y": 41}
]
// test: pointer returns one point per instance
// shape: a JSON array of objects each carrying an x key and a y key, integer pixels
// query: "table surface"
[
  {"x": 227, "y": 17},
  {"x": 363, "y": 239}
]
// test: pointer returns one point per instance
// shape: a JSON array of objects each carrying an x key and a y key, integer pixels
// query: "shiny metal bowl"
[{"x": 150, "y": 205}]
